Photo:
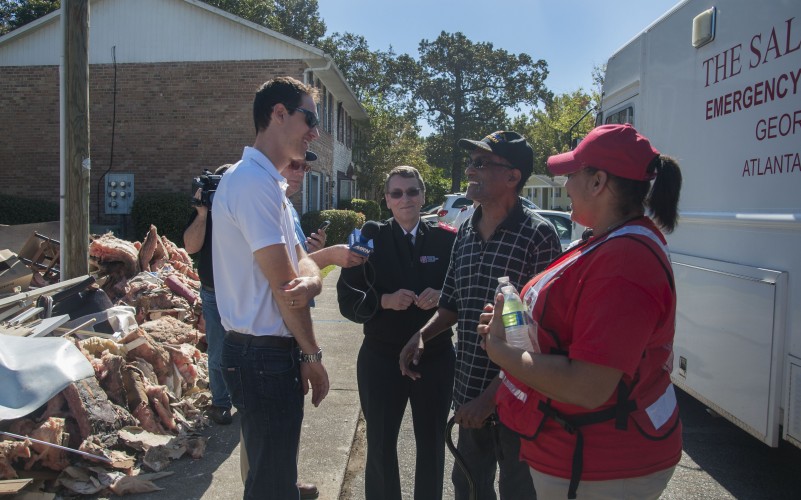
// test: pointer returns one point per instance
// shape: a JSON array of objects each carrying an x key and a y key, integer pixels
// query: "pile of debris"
[{"x": 137, "y": 321}]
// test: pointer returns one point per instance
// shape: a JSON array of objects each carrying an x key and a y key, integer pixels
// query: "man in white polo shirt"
[{"x": 264, "y": 280}]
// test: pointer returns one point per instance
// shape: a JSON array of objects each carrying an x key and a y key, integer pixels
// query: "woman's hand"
[
  {"x": 399, "y": 301},
  {"x": 490, "y": 324},
  {"x": 428, "y": 299}
]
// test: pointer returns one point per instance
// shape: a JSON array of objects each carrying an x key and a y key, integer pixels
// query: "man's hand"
[
  {"x": 314, "y": 375},
  {"x": 299, "y": 292},
  {"x": 316, "y": 241},
  {"x": 195, "y": 234},
  {"x": 399, "y": 301},
  {"x": 201, "y": 209},
  {"x": 428, "y": 299},
  {"x": 343, "y": 257},
  {"x": 410, "y": 356},
  {"x": 473, "y": 414}
]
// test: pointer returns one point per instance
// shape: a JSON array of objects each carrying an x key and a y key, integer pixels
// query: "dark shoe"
[
  {"x": 220, "y": 415},
  {"x": 308, "y": 491}
]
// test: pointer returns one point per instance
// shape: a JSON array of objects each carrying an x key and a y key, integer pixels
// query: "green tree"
[
  {"x": 298, "y": 19},
  {"x": 465, "y": 88},
  {"x": 366, "y": 70},
  {"x": 255, "y": 11},
  {"x": 391, "y": 138},
  {"x": 16, "y": 13},
  {"x": 551, "y": 130}
]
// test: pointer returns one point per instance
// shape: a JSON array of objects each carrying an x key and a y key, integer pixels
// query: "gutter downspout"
[
  {"x": 322, "y": 68},
  {"x": 62, "y": 139},
  {"x": 307, "y": 82}
]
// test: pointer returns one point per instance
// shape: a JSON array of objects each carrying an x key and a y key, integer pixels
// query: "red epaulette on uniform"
[{"x": 447, "y": 227}]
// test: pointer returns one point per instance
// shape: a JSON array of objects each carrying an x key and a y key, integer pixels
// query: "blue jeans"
[
  {"x": 266, "y": 390},
  {"x": 477, "y": 447},
  {"x": 215, "y": 333}
]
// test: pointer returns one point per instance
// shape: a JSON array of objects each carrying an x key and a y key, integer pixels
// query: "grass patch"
[{"x": 327, "y": 269}]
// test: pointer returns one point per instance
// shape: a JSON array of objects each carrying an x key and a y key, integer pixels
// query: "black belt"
[
  {"x": 260, "y": 340},
  {"x": 207, "y": 288}
]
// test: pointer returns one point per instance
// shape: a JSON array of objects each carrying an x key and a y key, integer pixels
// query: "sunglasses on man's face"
[
  {"x": 397, "y": 194},
  {"x": 311, "y": 117},
  {"x": 299, "y": 165},
  {"x": 480, "y": 163}
]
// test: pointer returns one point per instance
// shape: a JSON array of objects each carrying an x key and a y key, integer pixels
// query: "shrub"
[
  {"x": 169, "y": 212},
  {"x": 386, "y": 213},
  {"x": 343, "y": 222},
  {"x": 17, "y": 210},
  {"x": 369, "y": 208}
]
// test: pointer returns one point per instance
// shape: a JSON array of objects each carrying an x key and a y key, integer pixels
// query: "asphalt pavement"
[{"x": 719, "y": 460}]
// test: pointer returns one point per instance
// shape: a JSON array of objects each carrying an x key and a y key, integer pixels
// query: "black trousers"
[{"x": 384, "y": 392}]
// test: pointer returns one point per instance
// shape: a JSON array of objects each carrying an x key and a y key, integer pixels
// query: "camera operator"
[{"x": 197, "y": 238}]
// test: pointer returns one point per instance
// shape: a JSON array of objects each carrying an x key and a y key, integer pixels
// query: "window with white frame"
[
  {"x": 323, "y": 113},
  {"x": 340, "y": 123},
  {"x": 330, "y": 114},
  {"x": 313, "y": 191}
]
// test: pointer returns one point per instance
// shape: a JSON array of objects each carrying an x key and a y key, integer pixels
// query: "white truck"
[{"x": 717, "y": 85}]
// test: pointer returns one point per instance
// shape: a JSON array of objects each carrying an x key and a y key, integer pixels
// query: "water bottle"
[{"x": 516, "y": 319}]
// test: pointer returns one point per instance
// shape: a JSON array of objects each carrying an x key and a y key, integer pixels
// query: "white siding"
[
  {"x": 155, "y": 31},
  {"x": 34, "y": 47}
]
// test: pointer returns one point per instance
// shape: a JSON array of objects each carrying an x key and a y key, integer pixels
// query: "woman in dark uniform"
[{"x": 394, "y": 294}]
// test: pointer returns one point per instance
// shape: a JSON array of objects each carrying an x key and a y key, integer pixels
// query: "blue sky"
[{"x": 573, "y": 36}]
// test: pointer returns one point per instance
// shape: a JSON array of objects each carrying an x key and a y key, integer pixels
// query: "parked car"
[
  {"x": 451, "y": 207},
  {"x": 566, "y": 228},
  {"x": 431, "y": 208},
  {"x": 456, "y": 202}
]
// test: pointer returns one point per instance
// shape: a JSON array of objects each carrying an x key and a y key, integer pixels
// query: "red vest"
[{"x": 648, "y": 408}]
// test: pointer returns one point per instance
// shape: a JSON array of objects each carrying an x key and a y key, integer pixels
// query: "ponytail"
[{"x": 663, "y": 199}]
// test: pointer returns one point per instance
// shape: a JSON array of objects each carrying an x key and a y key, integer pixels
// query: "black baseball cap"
[
  {"x": 510, "y": 146},
  {"x": 310, "y": 156}
]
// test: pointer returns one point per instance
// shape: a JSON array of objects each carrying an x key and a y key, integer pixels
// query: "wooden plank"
[
  {"x": 85, "y": 333},
  {"x": 47, "y": 325},
  {"x": 21, "y": 297},
  {"x": 11, "y": 486},
  {"x": 76, "y": 174},
  {"x": 16, "y": 331}
]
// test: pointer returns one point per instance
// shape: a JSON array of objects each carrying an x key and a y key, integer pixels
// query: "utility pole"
[{"x": 75, "y": 163}]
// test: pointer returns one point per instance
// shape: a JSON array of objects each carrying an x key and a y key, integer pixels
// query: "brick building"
[{"x": 171, "y": 86}]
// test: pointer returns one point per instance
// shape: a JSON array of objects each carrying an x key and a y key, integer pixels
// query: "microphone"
[{"x": 361, "y": 241}]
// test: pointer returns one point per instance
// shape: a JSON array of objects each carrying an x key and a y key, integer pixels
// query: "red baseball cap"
[{"x": 617, "y": 149}]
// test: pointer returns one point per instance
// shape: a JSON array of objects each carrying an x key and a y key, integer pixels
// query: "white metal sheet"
[{"x": 726, "y": 331}]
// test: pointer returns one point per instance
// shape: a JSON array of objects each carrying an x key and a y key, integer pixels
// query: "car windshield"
[{"x": 562, "y": 225}]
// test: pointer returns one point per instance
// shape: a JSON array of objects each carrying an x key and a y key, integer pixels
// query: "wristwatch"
[{"x": 311, "y": 358}]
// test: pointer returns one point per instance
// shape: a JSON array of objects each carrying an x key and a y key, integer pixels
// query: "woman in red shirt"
[{"x": 595, "y": 407}]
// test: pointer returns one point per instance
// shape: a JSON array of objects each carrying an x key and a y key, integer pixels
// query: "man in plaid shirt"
[{"x": 502, "y": 238}]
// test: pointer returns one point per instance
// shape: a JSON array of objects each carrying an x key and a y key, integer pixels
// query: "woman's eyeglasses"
[
  {"x": 480, "y": 163},
  {"x": 311, "y": 117},
  {"x": 398, "y": 194},
  {"x": 299, "y": 165}
]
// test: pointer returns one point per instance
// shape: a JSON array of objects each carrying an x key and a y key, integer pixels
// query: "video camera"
[{"x": 208, "y": 183}]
